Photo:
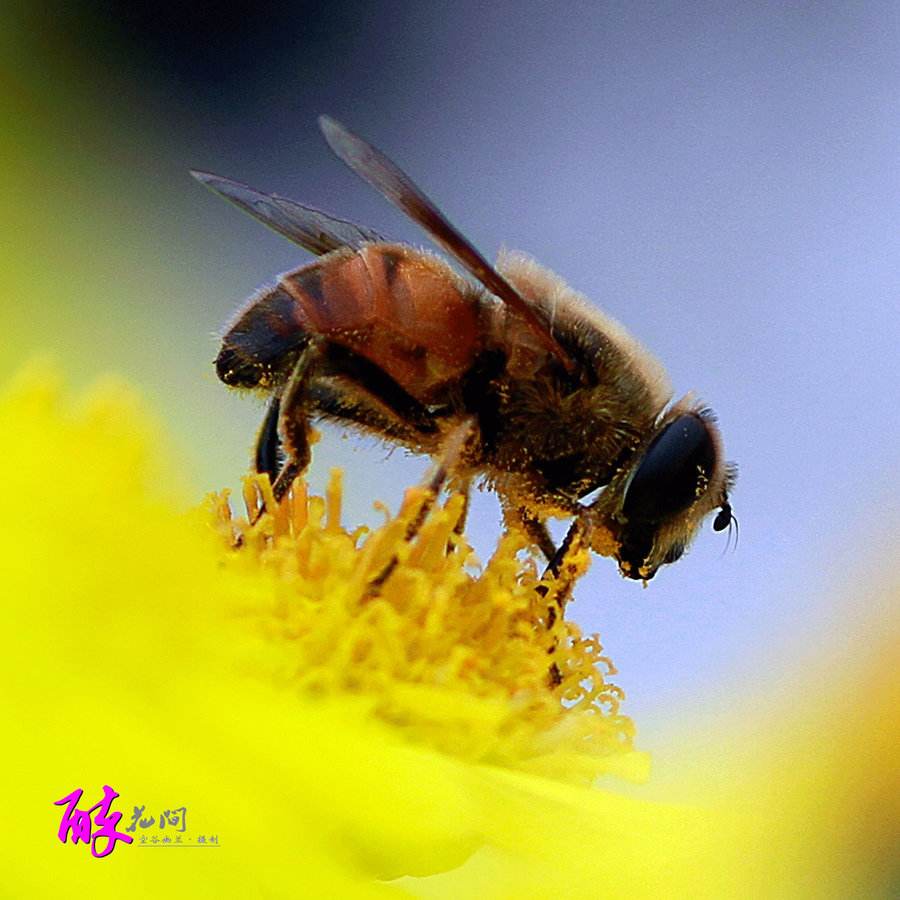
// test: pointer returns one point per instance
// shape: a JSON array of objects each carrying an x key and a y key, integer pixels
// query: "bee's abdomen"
[{"x": 403, "y": 310}]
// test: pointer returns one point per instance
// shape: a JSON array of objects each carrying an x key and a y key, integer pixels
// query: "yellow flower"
[
  {"x": 451, "y": 656},
  {"x": 331, "y": 736}
]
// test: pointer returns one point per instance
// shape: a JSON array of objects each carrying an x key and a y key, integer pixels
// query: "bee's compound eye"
[{"x": 673, "y": 471}]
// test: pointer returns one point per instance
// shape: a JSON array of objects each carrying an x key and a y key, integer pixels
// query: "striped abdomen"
[{"x": 403, "y": 310}]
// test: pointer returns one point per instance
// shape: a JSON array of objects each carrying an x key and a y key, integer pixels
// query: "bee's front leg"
[
  {"x": 559, "y": 579},
  {"x": 563, "y": 570}
]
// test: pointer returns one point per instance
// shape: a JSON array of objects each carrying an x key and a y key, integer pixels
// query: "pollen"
[
  {"x": 603, "y": 542},
  {"x": 471, "y": 659}
]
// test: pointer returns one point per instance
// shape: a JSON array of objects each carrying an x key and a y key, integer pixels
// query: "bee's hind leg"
[
  {"x": 267, "y": 459},
  {"x": 293, "y": 420},
  {"x": 282, "y": 445}
]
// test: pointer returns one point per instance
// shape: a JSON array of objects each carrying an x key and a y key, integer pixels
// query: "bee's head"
[{"x": 661, "y": 500}]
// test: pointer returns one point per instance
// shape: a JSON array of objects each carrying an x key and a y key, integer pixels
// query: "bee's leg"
[
  {"x": 451, "y": 452},
  {"x": 357, "y": 405},
  {"x": 285, "y": 415},
  {"x": 560, "y": 576},
  {"x": 267, "y": 456},
  {"x": 293, "y": 420},
  {"x": 464, "y": 487},
  {"x": 562, "y": 571},
  {"x": 537, "y": 532}
]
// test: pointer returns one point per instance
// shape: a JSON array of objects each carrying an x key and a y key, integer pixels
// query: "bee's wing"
[
  {"x": 373, "y": 166},
  {"x": 314, "y": 230}
]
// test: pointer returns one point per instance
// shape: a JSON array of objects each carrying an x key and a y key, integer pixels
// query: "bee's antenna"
[{"x": 737, "y": 533}]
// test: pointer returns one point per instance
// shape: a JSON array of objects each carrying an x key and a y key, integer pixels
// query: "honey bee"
[{"x": 556, "y": 400}]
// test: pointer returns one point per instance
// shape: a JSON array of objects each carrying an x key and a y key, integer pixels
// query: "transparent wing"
[
  {"x": 314, "y": 230},
  {"x": 374, "y": 167}
]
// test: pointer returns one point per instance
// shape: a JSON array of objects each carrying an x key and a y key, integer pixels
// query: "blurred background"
[{"x": 725, "y": 181}]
